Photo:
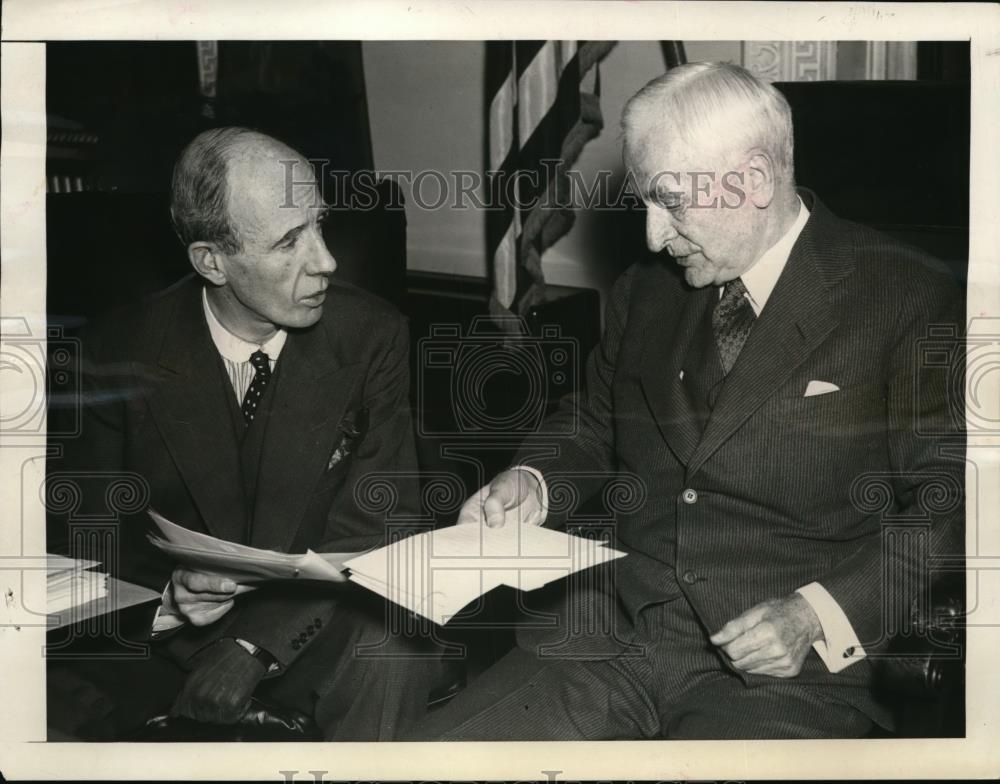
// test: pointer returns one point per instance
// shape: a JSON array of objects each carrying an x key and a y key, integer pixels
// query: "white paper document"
[
  {"x": 242, "y": 563},
  {"x": 71, "y": 583},
  {"x": 437, "y": 573}
]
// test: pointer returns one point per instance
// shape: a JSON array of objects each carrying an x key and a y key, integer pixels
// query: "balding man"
[
  {"x": 253, "y": 397},
  {"x": 751, "y": 393}
]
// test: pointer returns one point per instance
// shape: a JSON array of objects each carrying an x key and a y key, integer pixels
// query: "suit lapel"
[
  {"x": 190, "y": 411},
  {"x": 797, "y": 319},
  {"x": 313, "y": 388},
  {"x": 662, "y": 362}
]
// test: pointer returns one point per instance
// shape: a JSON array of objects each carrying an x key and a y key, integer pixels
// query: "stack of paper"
[
  {"x": 436, "y": 574},
  {"x": 70, "y": 583},
  {"x": 241, "y": 563}
]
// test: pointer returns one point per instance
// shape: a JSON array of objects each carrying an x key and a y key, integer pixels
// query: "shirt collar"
[
  {"x": 763, "y": 275},
  {"x": 235, "y": 348}
]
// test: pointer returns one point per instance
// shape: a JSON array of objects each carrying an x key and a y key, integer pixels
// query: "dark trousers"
[
  {"x": 366, "y": 676},
  {"x": 666, "y": 682}
]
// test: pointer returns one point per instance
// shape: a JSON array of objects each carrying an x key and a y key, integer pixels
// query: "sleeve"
[
  {"x": 586, "y": 458},
  {"x": 879, "y": 585},
  {"x": 167, "y": 617},
  {"x": 543, "y": 510}
]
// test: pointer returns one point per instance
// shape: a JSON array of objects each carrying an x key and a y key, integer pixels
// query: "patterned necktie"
[
  {"x": 262, "y": 365},
  {"x": 731, "y": 322}
]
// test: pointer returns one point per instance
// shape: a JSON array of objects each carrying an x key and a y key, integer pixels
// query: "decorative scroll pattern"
[
  {"x": 791, "y": 61},
  {"x": 208, "y": 67},
  {"x": 208, "y": 75}
]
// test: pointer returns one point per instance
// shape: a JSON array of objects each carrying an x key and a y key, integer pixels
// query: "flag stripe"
[
  {"x": 524, "y": 53},
  {"x": 501, "y": 128},
  {"x": 499, "y": 63},
  {"x": 505, "y": 267},
  {"x": 539, "y": 85}
]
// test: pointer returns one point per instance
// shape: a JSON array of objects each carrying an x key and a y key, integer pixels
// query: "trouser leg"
[
  {"x": 726, "y": 708},
  {"x": 108, "y": 699},
  {"x": 366, "y": 677},
  {"x": 699, "y": 697},
  {"x": 527, "y": 697},
  {"x": 580, "y": 678}
]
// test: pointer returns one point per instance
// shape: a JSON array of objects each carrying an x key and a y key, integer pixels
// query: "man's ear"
[
  {"x": 207, "y": 261},
  {"x": 760, "y": 179}
]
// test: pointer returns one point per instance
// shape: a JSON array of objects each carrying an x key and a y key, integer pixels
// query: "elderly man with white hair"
[{"x": 750, "y": 383}]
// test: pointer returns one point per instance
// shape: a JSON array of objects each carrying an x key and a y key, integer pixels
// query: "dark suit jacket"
[
  {"x": 159, "y": 404},
  {"x": 789, "y": 489}
]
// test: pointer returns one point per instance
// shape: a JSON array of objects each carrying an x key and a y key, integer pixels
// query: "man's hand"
[
  {"x": 221, "y": 684},
  {"x": 771, "y": 638},
  {"x": 514, "y": 496},
  {"x": 201, "y": 597}
]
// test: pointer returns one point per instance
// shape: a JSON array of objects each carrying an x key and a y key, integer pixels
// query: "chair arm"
[{"x": 928, "y": 660}]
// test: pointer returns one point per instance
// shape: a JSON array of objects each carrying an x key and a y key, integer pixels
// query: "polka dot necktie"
[
  {"x": 731, "y": 322},
  {"x": 262, "y": 365}
]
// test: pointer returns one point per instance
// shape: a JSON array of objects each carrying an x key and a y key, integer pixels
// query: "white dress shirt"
[
  {"x": 236, "y": 351},
  {"x": 840, "y": 647}
]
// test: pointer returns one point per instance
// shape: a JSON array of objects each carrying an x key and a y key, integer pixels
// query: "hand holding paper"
[
  {"x": 202, "y": 597},
  {"x": 240, "y": 563},
  {"x": 433, "y": 574},
  {"x": 513, "y": 497}
]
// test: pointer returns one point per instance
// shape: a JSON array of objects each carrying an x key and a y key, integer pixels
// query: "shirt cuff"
[
  {"x": 536, "y": 518},
  {"x": 253, "y": 650},
  {"x": 167, "y": 615},
  {"x": 840, "y": 647}
]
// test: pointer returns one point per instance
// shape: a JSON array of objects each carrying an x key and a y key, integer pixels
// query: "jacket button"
[
  {"x": 689, "y": 496},
  {"x": 310, "y": 628},
  {"x": 296, "y": 645},
  {"x": 318, "y": 622},
  {"x": 690, "y": 577},
  {"x": 303, "y": 637}
]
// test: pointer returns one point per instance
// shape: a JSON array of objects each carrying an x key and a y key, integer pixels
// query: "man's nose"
[
  {"x": 659, "y": 228},
  {"x": 321, "y": 261}
]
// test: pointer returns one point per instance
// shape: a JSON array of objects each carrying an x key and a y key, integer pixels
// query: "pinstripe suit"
[{"x": 777, "y": 502}]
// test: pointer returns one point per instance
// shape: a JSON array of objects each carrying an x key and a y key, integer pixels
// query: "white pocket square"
[{"x": 820, "y": 388}]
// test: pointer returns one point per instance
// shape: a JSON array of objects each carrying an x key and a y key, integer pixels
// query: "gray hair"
[
  {"x": 717, "y": 107},
  {"x": 199, "y": 190}
]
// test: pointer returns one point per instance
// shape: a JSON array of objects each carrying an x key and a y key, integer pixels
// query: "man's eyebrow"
[
  {"x": 290, "y": 235},
  {"x": 321, "y": 212}
]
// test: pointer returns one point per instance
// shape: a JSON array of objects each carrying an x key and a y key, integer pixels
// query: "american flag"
[{"x": 541, "y": 113}]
